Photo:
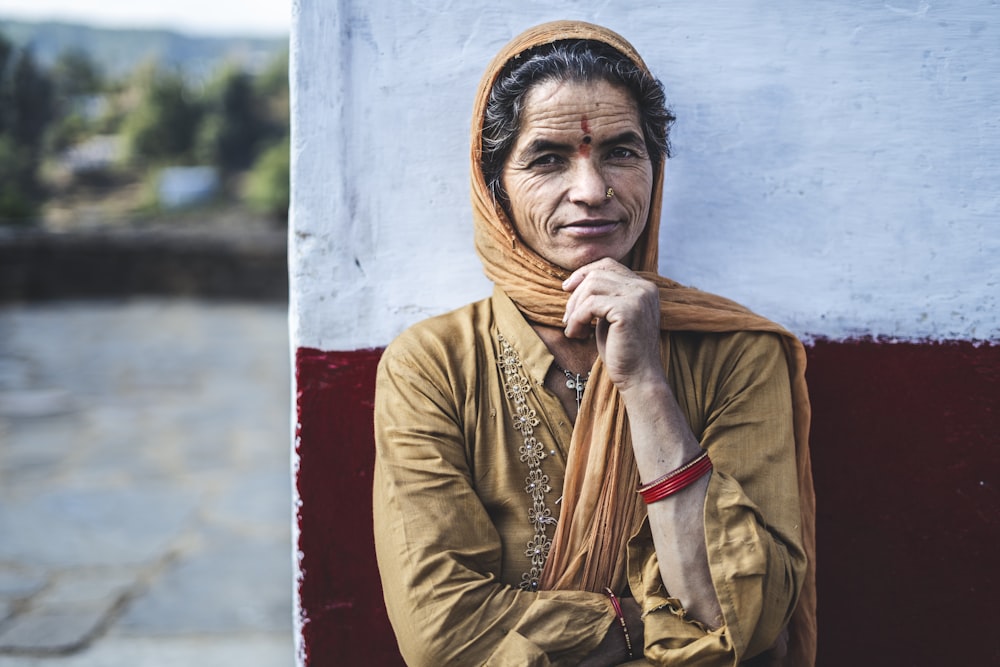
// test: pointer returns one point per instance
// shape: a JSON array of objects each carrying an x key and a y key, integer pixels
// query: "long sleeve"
[
  {"x": 735, "y": 390},
  {"x": 439, "y": 490}
]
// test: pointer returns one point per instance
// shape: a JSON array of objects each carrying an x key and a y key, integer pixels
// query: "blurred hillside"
[
  {"x": 118, "y": 139},
  {"x": 116, "y": 51}
]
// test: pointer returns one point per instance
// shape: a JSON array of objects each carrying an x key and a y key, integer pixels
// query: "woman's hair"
[{"x": 576, "y": 60}]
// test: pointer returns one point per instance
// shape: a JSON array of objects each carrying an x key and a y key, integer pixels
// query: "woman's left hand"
[{"x": 627, "y": 310}]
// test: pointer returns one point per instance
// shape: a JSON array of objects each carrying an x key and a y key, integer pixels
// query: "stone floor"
[{"x": 144, "y": 485}]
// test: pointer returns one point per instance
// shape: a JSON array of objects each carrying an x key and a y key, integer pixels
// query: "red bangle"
[
  {"x": 676, "y": 480},
  {"x": 672, "y": 473},
  {"x": 621, "y": 621}
]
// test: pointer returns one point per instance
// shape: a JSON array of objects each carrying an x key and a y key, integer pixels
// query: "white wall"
[{"x": 837, "y": 164}]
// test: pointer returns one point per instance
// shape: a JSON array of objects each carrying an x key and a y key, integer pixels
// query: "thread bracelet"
[
  {"x": 676, "y": 480},
  {"x": 621, "y": 621}
]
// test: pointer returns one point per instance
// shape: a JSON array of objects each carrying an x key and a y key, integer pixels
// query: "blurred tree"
[
  {"x": 272, "y": 88},
  {"x": 273, "y": 79},
  {"x": 17, "y": 202},
  {"x": 232, "y": 126},
  {"x": 163, "y": 126},
  {"x": 78, "y": 90},
  {"x": 6, "y": 90},
  {"x": 75, "y": 73},
  {"x": 31, "y": 101},
  {"x": 25, "y": 111},
  {"x": 267, "y": 187},
  {"x": 67, "y": 130}
]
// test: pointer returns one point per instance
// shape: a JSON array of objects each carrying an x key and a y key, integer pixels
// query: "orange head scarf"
[{"x": 600, "y": 507}]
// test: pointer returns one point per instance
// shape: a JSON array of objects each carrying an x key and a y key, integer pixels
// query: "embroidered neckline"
[{"x": 536, "y": 484}]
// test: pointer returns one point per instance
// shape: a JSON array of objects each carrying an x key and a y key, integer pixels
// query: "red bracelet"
[
  {"x": 621, "y": 621},
  {"x": 673, "y": 473},
  {"x": 676, "y": 480}
]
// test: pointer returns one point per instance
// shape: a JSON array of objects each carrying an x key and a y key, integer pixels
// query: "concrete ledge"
[{"x": 37, "y": 265}]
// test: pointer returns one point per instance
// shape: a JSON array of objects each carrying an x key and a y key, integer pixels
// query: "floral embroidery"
[{"x": 536, "y": 484}]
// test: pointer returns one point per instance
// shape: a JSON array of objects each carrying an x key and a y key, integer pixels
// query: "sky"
[{"x": 203, "y": 17}]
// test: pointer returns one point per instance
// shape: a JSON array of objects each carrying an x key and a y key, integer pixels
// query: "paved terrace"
[{"x": 144, "y": 485}]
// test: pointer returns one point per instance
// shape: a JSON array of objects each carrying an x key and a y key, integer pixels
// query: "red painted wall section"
[
  {"x": 339, "y": 591},
  {"x": 906, "y": 456},
  {"x": 906, "y": 460}
]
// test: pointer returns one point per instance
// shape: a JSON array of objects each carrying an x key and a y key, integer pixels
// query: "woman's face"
[{"x": 575, "y": 141}]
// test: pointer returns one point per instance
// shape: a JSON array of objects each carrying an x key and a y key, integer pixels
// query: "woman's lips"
[{"x": 595, "y": 227}]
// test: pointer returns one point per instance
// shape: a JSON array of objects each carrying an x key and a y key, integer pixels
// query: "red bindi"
[{"x": 584, "y": 149}]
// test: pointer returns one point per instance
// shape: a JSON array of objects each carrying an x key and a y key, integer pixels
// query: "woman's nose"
[{"x": 587, "y": 184}]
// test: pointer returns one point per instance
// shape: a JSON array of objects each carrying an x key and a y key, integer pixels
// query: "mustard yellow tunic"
[{"x": 471, "y": 454}]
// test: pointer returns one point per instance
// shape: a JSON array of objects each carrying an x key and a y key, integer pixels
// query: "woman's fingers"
[
  {"x": 625, "y": 310},
  {"x": 582, "y": 315},
  {"x": 606, "y": 265},
  {"x": 601, "y": 277},
  {"x": 603, "y": 289}
]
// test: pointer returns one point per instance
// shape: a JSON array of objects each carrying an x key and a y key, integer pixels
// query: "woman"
[{"x": 512, "y": 434}]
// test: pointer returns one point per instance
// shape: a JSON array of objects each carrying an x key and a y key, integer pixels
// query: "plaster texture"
[{"x": 836, "y": 165}]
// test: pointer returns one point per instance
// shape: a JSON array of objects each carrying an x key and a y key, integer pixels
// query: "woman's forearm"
[{"x": 662, "y": 441}]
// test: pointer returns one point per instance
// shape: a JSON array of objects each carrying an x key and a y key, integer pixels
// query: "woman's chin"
[
  {"x": 571, "y": 261},
  {"x": 579, "y": 261}
]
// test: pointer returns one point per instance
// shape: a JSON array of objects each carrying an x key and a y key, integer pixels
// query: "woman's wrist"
[
  {"x": 646, "y": 387},
  {"x": 661, "y": 438}
]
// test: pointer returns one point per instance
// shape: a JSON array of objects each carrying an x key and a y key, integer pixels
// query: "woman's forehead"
[{"x": 582, "y": 105}]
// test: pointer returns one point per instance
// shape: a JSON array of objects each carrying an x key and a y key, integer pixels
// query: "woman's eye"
[{"x": 547, "y": 160}]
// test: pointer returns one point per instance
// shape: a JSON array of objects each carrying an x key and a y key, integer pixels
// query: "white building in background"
[{"x": 186, "y": 186}]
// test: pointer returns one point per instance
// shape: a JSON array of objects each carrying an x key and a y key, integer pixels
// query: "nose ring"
[{"x": 610, "y": 193}]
